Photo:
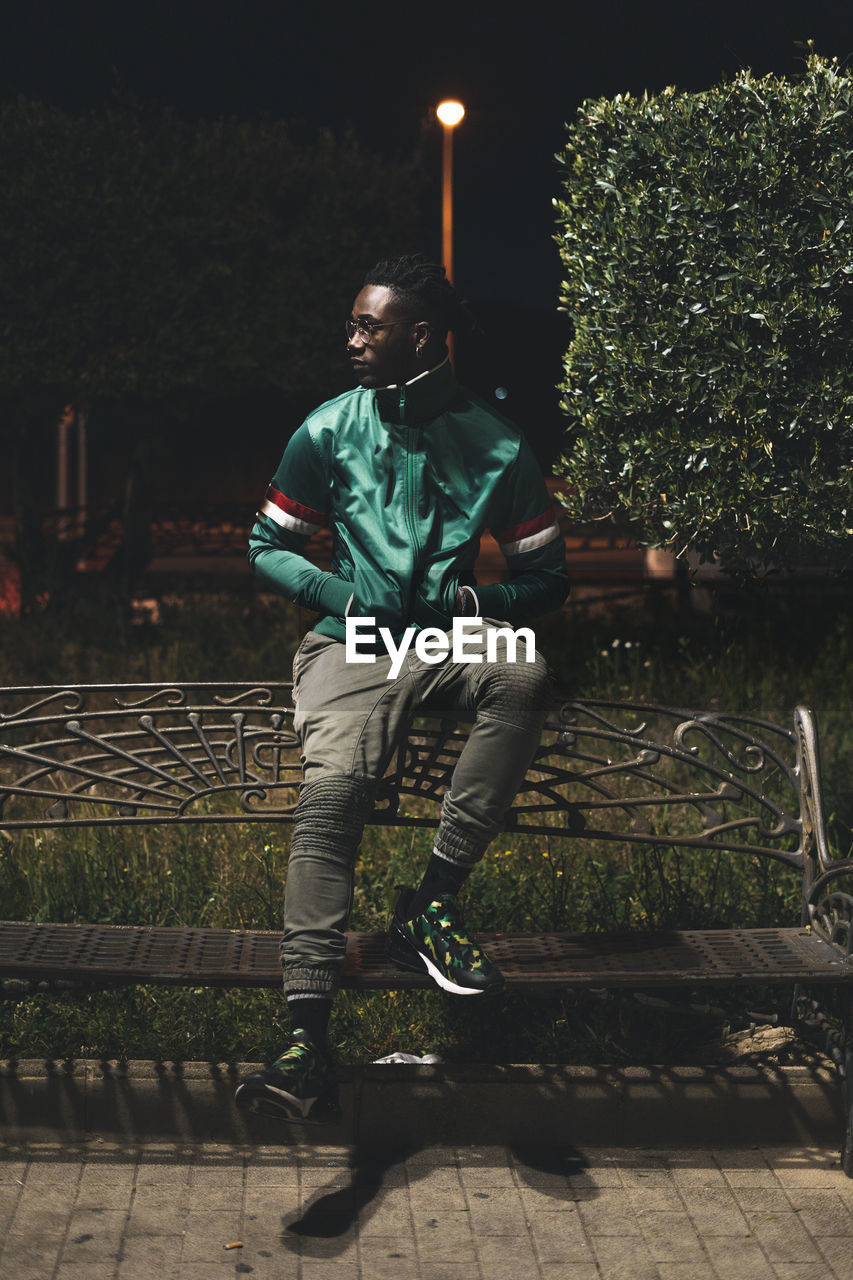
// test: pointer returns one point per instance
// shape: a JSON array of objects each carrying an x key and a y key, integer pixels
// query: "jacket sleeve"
[
  {"x": 294, "y": 508},
  {"x": 524, "y": 526}
]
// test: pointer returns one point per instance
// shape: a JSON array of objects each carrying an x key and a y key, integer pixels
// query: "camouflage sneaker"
[
  {"x": 436, "y": 942},
  {"x": 300, "y": 1086}
]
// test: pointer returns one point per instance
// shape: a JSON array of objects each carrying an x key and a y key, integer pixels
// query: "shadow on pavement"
[
  {"x": 330, "y": 1217},
  {"x": 554, "y": 1171}
]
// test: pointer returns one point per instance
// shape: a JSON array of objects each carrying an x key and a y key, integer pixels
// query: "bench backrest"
[{"x": 94, "y": 755}]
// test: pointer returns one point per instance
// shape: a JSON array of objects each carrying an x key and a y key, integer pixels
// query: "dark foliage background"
[
  {"x": 144, "y": 256},
  {"x": 151, "y": 267}
]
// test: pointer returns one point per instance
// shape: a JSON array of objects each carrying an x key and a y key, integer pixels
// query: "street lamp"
[{"x": 449, "y": 113}]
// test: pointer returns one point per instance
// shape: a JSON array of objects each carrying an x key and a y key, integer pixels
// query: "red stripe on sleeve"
[
  {"x": 517, "y": 531},
  {"x": 296, "y": 509}
]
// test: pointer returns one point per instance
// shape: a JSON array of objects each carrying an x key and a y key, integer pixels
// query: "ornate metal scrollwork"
[
  {"x": 612, "y": 770},
  {"x": 830, "y": 906},
  {"x": 169, "y": 697},
  {"x": 703, "y": 779},
  {"x": 191, "y": 751},
  {"x": 833, "y": 920},
  {"x": 11, "y": 715},
  {"x": 257, "y": 696}
]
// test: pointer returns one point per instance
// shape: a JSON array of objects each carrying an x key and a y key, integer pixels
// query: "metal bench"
[{"x": 146, "y": 754}]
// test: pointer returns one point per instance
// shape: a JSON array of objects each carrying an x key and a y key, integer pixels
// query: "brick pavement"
[{"x": 117, "y": 1212}]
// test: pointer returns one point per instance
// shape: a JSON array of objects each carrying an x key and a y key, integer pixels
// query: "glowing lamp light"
[{"x": 450, "y": 112}]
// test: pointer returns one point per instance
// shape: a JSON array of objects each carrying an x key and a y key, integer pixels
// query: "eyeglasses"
[{"x": 366, "y": 328}]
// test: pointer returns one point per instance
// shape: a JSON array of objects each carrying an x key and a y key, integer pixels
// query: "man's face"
[{"x": 387, "y": 356}]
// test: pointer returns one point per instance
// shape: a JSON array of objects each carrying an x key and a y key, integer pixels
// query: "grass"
[{"x": 754, "y": 659}]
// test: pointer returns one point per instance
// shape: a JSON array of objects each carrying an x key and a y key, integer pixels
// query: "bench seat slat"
[{"x": 173, "y": 956}]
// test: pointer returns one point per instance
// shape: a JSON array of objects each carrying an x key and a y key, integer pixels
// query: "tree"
[
  {"x": 708, "y": 271},
  {"x": 147, "y": 262},
  {"x": 145, "y": 255}
]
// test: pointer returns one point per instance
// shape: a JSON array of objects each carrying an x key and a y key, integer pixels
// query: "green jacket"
[{"x": 408, "y": 478}]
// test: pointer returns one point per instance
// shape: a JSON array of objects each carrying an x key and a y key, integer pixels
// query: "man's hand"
[{"x": 466, "y": 604}]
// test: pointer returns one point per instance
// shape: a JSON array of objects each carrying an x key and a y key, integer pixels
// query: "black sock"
[
  {"x": 311, "y": 1014},
  {"x": 441, "y": 877}
]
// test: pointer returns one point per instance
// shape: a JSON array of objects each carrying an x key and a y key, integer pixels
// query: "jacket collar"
[{"x": 419, "y": 401}]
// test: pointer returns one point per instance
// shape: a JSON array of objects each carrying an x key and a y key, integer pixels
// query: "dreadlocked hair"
[{"x": 423, "y": 285}]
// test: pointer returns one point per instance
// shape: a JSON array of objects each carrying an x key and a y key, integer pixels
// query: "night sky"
[{"x": 522, "y": 70}]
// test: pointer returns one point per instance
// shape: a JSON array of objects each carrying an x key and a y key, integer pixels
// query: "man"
[{"x": 407, "y": 470}]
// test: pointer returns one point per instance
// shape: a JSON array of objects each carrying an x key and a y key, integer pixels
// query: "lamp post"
[{"x": 449, "y": 112}]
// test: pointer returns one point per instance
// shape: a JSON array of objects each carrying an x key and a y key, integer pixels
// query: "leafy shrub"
[{"x": 708, "y": 270}]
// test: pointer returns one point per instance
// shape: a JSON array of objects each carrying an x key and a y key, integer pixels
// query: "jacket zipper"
[{"x": 411, "y": 437}]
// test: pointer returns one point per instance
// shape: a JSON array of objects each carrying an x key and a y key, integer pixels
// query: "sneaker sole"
[
  {"x": 285, "y": 1106},
  {"x": 406, "y": 961}
]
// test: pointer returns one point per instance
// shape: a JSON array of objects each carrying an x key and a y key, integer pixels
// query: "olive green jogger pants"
[{"x": 350, "y": 717}]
